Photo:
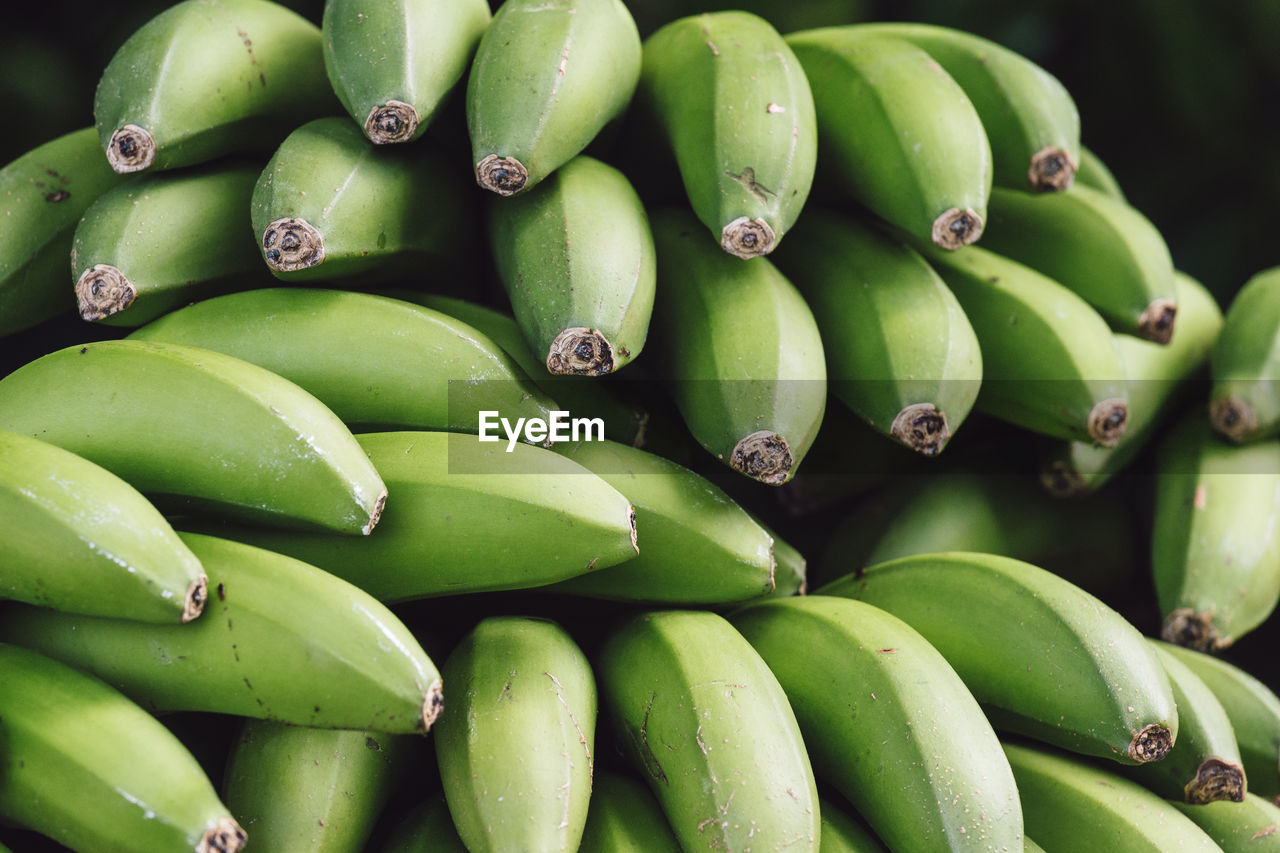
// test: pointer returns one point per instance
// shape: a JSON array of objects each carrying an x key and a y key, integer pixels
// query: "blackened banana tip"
[
  {"x": 1052, "y": 170},
  {"x": 763, "y": 455},
  {"x": 956, "y": 228},
  {"x": 197, "y": 594},
  {"x": 922, "y": 427},
  {"x": 290, "y": 244},
  {"x": 1233, "y": 418},
  {"x": 1156, "y": 322},
  {"x": 131, "y": 149},
  {"x": 1185, "y": 627},
  {"x": 1151, "y": 743},
  {"x": 1107, "y": 421},
  {"x": 580, "y": 351},
  {"x": 505, "y": 176},
  {"x": 1215, "y": 780},
  {"x": 433, "y": 705},
  {"x": 376, "y": 514},
  {"x": 103, "y": 290},
  {"x": 747, "y": 238},
  {"x": 225, "y": 837},
  {"x": 1062, "y": 480},
  {"x": 394, "y": 121}
]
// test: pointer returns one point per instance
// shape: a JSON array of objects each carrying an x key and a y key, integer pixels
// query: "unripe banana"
[
  {"x": 700, "y": 715},
  {"x": 1251, "y": 826},
  {"x": 90, "y": 769},
  {"x": 1215, "y": 546},
  {"x": 1093, "y": 173},
  {"x": 393, "y": 62},
  {"x": 80, "y": 539},
  {"x": 900, "y": 351},
  {"x": 515, "y": 744},
  {"x": 212, "y": 431},
  {"x": 742, "y": 352},
  {"x": 164, "y": 240},
  {"x": 1245, "y": 403},
  {"x": 280, "y": 640},
  {"x": 733, "y": 103},
  {"x": 888, "y": 723},
  {"x": 1045, "y": 658},
  {"x": 841, "y": 833},
  {"x": 899, "y": 132},
  {"x": 207, "y": 77},
  {"x": 625, "y": 818},
  {"x": 427, "y": 829},
  {"x": 576, "y": 259},
  {"x": 547, "y": 76},
  {"x": 43, "y": 195}
]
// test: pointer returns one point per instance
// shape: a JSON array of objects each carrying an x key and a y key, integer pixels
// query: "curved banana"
[
  {"x": 427, "y": 829},
  {"x": 841, "y": 833},
  {"x": 1094, "y": 173},
  {"x": 1251, "y": 826},
  {"x": 1244, "y": 403},
  {"x": 624, "y": 817}
]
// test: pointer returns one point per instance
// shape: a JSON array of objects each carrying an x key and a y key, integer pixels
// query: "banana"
[
  {"x": 699, "y": 714},
  {"x": 90, "y": 769},
  {"x": 298, "y": 788},
  {"x": 207, "y": 77},
  {"x": 547, "y": 77},
  {"x": 204, "y": 428},
  {"x": 900, "y": 351},
  {"x": 1069, "y": 806},
  {"x": 1245, "y": 365},
  {"x": 80, "y": 539},
  {"x": 1093, "y": 173},
  {"x": 746, "y": 151},
  {"x": 576, "y": 259},
  {"x": 1251, "y": 826},
  {"x": 373, "y": 361},
  {"x": 515, "y": 745},
  {"x": 741, "y": 351},
  {"x": 841, "y": 833},
  {"x": 1102, "y": 249},
  {"x": 625, "y": 818},
  {"x": 330, "y": 204},
  {"x": 44, "y": 193},
  {"x": 498, "y": 520},
  {"x": 163, "y": 240},
  {"x": 392, "y": 64},
  {"x": 1045, "y": 658},
  {"x": 280, "y": 640},
  {"x": 427, "y": 829},
  {"x": 1215, "y": 546},
  {"x": 899, "y": 132}
]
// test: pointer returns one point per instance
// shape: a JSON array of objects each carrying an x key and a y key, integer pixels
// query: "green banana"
[
  {"x": 746, "y": 153},
  {"x": 700, "y": 715},
  {"x": 392, "y": 64},
  {"x": 1102, "y": 249},
  {"x": 1251, "y": 826},
  {"x": 515, "y": 747},
  {"x": 889, "y": 724},
  {"x": 625, "y": 818},
  {"x": 1093, "y": 173},
  {"x": 206, "y": 428},
  {"x": 841, "y": 833},
  {"x": 207, "y": 77},
  {"x": 900, "y": 351},
  {"x": 498, "y": 520},
  {"x": 90, "y": 769},
  {"x": 547, "y": 76},
  {"x": 373, "y": 361},
  {"x": 164, "y": 240},
  {"x": 1245, "y": 365},
  {"x": 80, "y": 539},
  {"x": 1215, "y": 547},
  {"x": 427, "y": 829},
  {"x": 899, "y": 132},
  {"x": 280, "y": 640},
  {"x": 1045, "y": 658},
  {"x": 1069, "y": 805},
  {"x": 1049, "y": 362},
  {"x": 331, "y": 204},
  {"x": 742, "y": 353},
  {"x": 576, "y": 259},
  {"x": 44, "y": 193}
]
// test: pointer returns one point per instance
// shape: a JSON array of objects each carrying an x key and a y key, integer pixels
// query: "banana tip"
[
  {"x": 763, "y": 455},
  {"x": 922, "y": 427},
  {"x": 956, "y": 228},
  {"x": 197, "y": 594},
  {"x": 747, "y": 238},
  {"x": 103, "y": 290},
  {"x": 432, "y": 705},
  {"x": 631, "y": 520},
  {"x": 1107, "y": 421},
  {"x": 1156, "y": 322},
  {"x": 290, "y": 244},
  {"x": 1062, "y": 480},
  {"x": 394, "y": 121},
  {"x": 1152, "y": 743},
  {"x": 131, "y": 149},
  {"x": 1185, "y": 627},
  {"x": 1233, "y": 418},
  {"x": 580, "y": 351},
  {"x": 1052, "y": 170},
  {"x": 225, "y": 837},
  {"x": 502, "y": 175},
  {"x": 375, "y": 514},
  {"x": 1215, "y": 780}
]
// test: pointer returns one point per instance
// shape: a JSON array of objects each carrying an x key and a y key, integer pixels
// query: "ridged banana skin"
[
  {"x": 78, "y": 538},
  {"x": 889, "y": 724},
  {"x": 547, "y": 76},
  {"x": 208, "y": 429},
  {"x": 373, "y": 361},
  {"x": 1049, "y": 361},
  {"x": 427, "y": 829},
  {"x": 734, "y": 105},
  {"x": 90, "y": 769},
  {"x": 900, "y": 351},
  {"x": 1252, "y": 826},
  {"x": 515, "y": 745},
  {"x": 164, "y": 240},
  {"x": 330, "y": 204},
  {"x": 280, "y": 640},
  {"x": 43, "y": 194},
  {"x": 497, "y": 520},
  {"x": 701, "y": 717},
  {"x": 393, "y": 62},
  {"x": 1102, "y": 249},
  {"x": 208, "y": 77},
  {"x": 577, "y": 261},
  {"x": 754, "y": 400},
  {"x": 624, "y": 817},
  {"x": 843, "y": 834},
  {"x": 1030, "y": 117},
  {"x": 1069, "y": 806},
  {"x": 700, "y": 547},
  {"x": 297, "y": 788},
  {"x": 1215, "y": 538},
  {"x": 1095, "y": 174},
  {"x": 1245, "y": 365},
  {"x": 898, "y": 132},
  {"x": 1089, "y": 682}
]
